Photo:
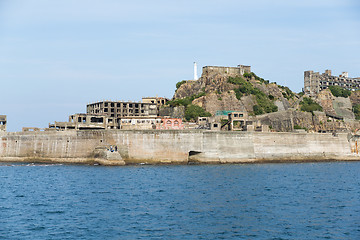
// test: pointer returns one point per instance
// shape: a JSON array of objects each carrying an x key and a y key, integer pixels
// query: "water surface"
[{"x": 255, "y": 201}]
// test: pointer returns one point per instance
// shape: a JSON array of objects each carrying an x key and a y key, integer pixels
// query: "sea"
[{"x": 246, "y": 201}]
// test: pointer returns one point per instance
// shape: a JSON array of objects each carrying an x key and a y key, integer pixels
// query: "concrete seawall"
[{"x": 176, "y": 147}]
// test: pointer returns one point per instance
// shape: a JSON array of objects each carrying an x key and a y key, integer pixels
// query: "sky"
[{"x": 56, "y": 56}]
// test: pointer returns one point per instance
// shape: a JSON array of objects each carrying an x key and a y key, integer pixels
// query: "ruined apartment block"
[
  {"x": 119, "y": 110},
  {"x": 314, "y": 82},
  {"x": 2, "y": 123}
]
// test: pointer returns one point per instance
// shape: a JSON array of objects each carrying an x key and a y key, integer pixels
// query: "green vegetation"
[
  {"x": 223, "y": 121},
  {"x": 298, "y": 127},
  {"x": 191, "y": 111},
  {"x": 264, "y": 103},
  {"x": 249, "y": 75},
  {"x": 194, "y": 111},
  {"x": 308, "y": 105},
  {"x": 178, "y": 84},
  {"x": 185, "y": 101},
  {"x": 338, "y": 91},
  {"x": 287, "y": 93},
  {"x": 258, "y": 110},
  {"x": 356, "y": 110}
]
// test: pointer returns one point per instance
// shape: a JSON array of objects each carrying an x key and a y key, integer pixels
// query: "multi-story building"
[
  {"x": 2, "y": 123},
  {"x": 314, "y": 82},
  {"x": 160, "y": 101},
  {"x": 118, "y": 110}
]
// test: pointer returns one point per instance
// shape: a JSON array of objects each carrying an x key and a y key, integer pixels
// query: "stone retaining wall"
[{"x": 171, "y": 146}]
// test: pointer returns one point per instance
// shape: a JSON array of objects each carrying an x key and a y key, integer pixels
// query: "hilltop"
[{"x": 275, "y": 105}]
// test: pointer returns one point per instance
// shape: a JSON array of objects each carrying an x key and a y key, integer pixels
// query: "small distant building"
[
  {"x": 139, "y": 123},
  {"x": 314, "y": 82},
  {"x": 239, "y": 70},
  {"x": 83, "y": 121},
  {"x": 170, "y": 124},
  {"x": 160, "y": 101},
  {"x": 3, "y": 123},
  {"x": 210, "y": 123},
  {"x": 238, "y": 121}
]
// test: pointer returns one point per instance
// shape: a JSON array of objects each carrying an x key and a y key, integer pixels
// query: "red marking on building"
[{"x": 170, "y": 123}]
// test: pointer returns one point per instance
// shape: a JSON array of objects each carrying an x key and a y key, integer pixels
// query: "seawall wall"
[{"x": 179, "y": 147}]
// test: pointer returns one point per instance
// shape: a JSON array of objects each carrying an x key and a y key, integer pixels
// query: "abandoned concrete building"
[
  {"x": 117, "y": 109},
  {"x": 160, "y": 101},
  {"x": 240, "y": 121},
  {"x": 314, "y": 82},
  {"x": 82, "y": 121},
  {"x": 235, "y": 121},
  {"x": 2, "y": 123},
  {"x": 239, "y": 70}
]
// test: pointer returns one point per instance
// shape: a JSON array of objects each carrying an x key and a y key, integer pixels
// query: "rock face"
[
  {"x": 213, "y": 102},
  {"x": 355, "y": 97},
  {"x": 173, "y": 112},
  {"x": 336, "y": 106},
  {"x": 220, "y": 95}
]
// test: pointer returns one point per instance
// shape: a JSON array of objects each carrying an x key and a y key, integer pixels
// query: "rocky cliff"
[
  {"x": 220, "y": 93},
  {"x": 272, "y": 104}
]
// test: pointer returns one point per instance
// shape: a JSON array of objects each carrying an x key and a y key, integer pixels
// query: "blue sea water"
[{"x": 255, "y": 201}]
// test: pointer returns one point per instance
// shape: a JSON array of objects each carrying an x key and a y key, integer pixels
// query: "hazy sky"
[{"x": 58, "y": 55}]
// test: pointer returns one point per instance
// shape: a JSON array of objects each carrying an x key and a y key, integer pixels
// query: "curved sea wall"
[{"x": 119, "y": 147}]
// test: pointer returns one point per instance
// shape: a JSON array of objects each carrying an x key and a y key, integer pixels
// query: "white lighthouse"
[{"x": 195, "y": 71}]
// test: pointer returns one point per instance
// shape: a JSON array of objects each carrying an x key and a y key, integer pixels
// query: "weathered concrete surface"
[{"x": 176, "y": 147}]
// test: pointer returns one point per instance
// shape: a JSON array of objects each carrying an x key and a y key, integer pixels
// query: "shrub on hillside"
[
  {"x": 338, "y": 91},
  {"x": 264, "y": 103},
  {"x": 185, "y": 101},
  {"x": 178, "y": 84},
  {"x": 192, "y": 112},
  {"x": 356, "y": 110},
  {"x": 308, "y": 105}
]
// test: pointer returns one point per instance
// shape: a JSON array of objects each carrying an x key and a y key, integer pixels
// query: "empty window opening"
[{"x": 97, "y": 120}]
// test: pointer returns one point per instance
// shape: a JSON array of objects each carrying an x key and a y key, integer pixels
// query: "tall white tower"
[{"x": 195, "y": 71}]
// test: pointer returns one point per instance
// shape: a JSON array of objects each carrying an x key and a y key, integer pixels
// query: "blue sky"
[{"x": 57, "y": 56}]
